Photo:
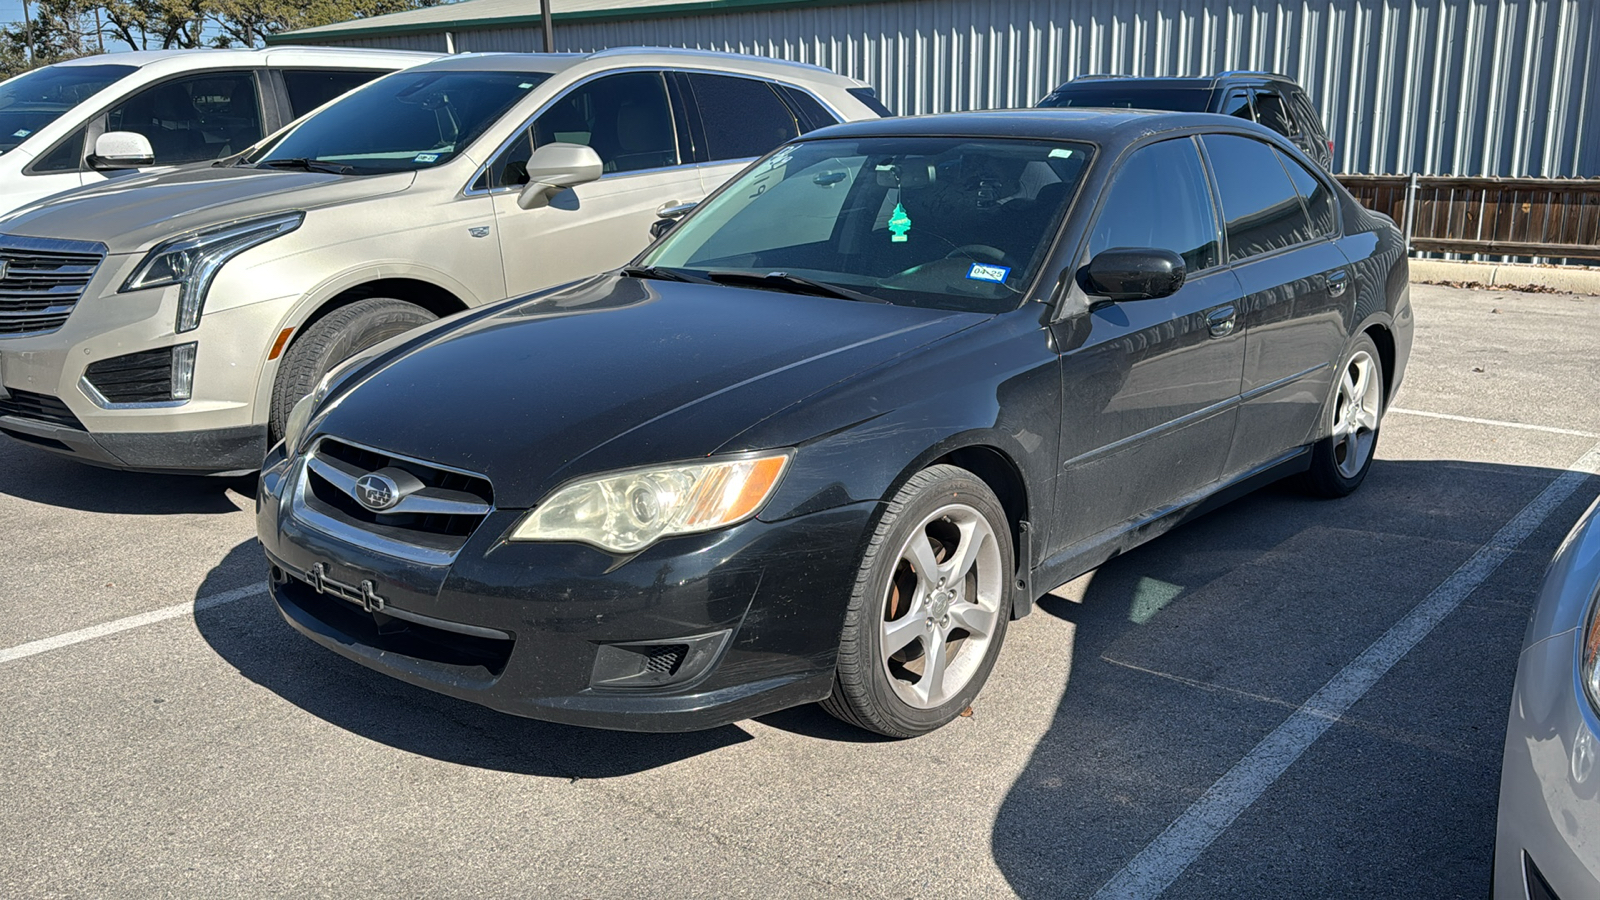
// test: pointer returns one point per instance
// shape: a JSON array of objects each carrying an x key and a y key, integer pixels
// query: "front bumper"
[
  {"x": 1549, "y": 781},
  {"x": 535, "y": 629},
  {"x": 221, "y": 428}
]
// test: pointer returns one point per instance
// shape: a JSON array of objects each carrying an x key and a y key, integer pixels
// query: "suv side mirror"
[
  {"x": 116, "y": 150},
  {"x": 555, "y": 167},
  {"x": 1135, "y": 273},
  {"x": 670, "y": 214}
]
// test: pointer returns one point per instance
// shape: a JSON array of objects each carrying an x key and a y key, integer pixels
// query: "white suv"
[
  {"x": 190, "y": 105},
  {"x": 170, "y": 321}
]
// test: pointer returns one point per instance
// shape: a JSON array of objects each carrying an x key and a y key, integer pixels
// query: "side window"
[
  {"x": 310, "y": 88},
  {"x": 1310, "y": 122},
  {"x": 626, "y": 119},
  {"x": 1159, "y": 198},
  {"x": 1271, "y": 112},
  {"x": 1260, "y": 207},
  {"x": 510, "y": 168},
  {"x": 812, "y": 115},
  {"x": 201, "y": 117},
  {"x": 1238, "y": 104},
  {"x": 66, "y": 156},
  {"x": 742, "y": 116},
  {"x": 1313, "y": 192}
]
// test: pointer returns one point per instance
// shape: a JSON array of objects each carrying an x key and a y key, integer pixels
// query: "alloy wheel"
[{"x": 1355, "y": 413}]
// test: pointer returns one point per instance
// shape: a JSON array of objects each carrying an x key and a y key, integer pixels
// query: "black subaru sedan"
[{"x": 831, "y": 433}]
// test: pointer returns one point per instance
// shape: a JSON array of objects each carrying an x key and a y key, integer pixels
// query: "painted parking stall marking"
[
  {"x": 177, "y": 610},
  {"x": 1161, "y": 862}
]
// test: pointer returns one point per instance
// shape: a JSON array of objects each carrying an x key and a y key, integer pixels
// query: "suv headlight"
[
  {"x": 194, "y": 259},
  {"x": 625, "y": 512}
]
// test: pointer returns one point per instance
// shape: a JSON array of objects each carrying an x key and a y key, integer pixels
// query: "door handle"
[
  {"x": 1337, "y": 282},
  {"x": 1221, "y": 321},
  {"x": 675, "y": 209}
]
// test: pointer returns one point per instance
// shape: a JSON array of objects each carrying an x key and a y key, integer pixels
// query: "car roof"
[
  {"x": 241, "y": 56},
  {"x": 1072, "y": 124},
  {"x": 1198, "y": 82}
]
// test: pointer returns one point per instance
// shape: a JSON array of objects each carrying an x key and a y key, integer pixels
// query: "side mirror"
[
  {"x": 554, "y": 168},
  {"x": 670, "y": 214},
  {"x": 116, "y": 150},
  {"x": 1135, "y": 273}
]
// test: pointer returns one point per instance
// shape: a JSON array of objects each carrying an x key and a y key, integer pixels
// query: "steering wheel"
[{"x": 977, "y": 252}]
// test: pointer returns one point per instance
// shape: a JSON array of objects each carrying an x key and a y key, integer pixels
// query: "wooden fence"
[{"x": 1540, "y": 217}]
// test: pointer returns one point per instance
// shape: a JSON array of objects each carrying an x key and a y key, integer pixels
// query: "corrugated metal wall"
[{"x": 1465, "y": 87}]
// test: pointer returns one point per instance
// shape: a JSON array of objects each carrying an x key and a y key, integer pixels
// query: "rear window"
[
  {"x": 1115, "y": 95},
  {"x": 310, "y": 88}
]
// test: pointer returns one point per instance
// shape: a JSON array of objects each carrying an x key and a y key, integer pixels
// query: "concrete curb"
[{"x": 1566, "y": 279}]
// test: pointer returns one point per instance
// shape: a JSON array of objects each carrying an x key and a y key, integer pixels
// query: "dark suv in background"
[{"x": 1275, "y": 101}]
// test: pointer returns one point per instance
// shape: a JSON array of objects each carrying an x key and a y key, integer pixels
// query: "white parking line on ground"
[
  {"x": 1496, "y": 422},
  {"x": 45, "y": 645},
  {"x": 1161, "y": 862}
]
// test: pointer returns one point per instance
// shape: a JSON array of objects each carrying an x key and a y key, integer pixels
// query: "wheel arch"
[{"x": 1384, "y": 339}]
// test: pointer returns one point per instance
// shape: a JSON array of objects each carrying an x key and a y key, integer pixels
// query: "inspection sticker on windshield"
[
  {"x": 981, "y": 272},
  {"x": 23, "y": 133},
  {"x": 426, "y": 157}
]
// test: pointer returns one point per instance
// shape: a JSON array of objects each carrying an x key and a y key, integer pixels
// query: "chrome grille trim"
[{"x": 44, "y": 278}]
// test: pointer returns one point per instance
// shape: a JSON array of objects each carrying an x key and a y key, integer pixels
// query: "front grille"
[
  {"x": 42, "y": 281},
  {"x": 39, "y": 408},
  {"x": 135, "y": 378},
  {"x": 439, "y": 511}
]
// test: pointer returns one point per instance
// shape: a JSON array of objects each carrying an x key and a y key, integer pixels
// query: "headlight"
[
  {"x": 193, "y": 261},
  {"x": 1589, "y": 665},
  {"x": 300, "y": 414},
  {"x": 627, "y": 511}
]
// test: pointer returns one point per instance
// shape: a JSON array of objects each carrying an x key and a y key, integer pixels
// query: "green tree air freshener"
[{"x": 899, "y": 223}]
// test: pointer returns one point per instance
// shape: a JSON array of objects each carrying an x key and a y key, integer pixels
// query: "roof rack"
[
  {"x": 716, "y": 54},
  {"x": 1259, "y": 73},
  {"x": 1103, "y": 76}
]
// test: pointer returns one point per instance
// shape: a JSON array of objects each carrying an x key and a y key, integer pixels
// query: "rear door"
[
  {"x": 735, "y": 119},
  {"x": 628, "y": 118},
  {"x": 1295, "y": 282},
  {"x": 1150, "y": 387}
]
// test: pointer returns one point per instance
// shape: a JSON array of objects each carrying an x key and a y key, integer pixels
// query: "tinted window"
[
  {"x": 1237, "y": 104},
  {"x": 742, "y": 116},
  {"x": 32, "y": 101},
  {"x": 309, "y": 89},
  {"x": 626, "y": 119},
  {"x": 66, "y": 156},
  {"x": 1117, "y": 95},
  {"x": 1159, "y": 198},
  {"x": 812, "y": 115},
  {"x": 952, "y": 223},
  {"x": 1310, "y": 122},
  {"x": 408, "y": 121},
  {"x": 1313, "y": 191},
  {"x": 1260, "y": 206},
  {"x": 196, "y": 118},
  {"x": 869, "y": 99},
  {"x": 1271, "y": 112}
]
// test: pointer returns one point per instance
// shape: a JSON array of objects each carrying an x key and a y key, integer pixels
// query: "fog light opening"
[
  {"x": 183, "y": 357},
  {"x": 644, "y": 665}
]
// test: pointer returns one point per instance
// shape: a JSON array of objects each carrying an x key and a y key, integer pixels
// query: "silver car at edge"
[
  {"x": 1548, "y": 838},
  {"x": 169, "y": 322}
]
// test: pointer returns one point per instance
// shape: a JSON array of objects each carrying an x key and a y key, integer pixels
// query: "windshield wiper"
[
  {"x": 794, "y": 284},
  {"x": 662, "y": 274},
  {"x": 308, "y": 165}
]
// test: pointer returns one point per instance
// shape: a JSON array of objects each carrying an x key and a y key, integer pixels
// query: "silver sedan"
[{"x": 1548, "y": 841}]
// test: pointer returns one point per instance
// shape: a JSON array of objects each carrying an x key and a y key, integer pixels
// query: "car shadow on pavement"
[
  {"x": 254, "y": 639},
  {"x": 31, "y": 474},
  {"x": 1189, "y": 650}
]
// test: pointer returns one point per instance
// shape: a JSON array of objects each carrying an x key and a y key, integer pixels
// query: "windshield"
[
  {"x": 950, "y": 223},
  {"x": 1114, "y": 95},
  {"x": 405, "y": 122},
  {"x": 32, "y": 101}
]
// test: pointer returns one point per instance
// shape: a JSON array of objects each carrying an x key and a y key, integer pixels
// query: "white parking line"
[
  {"x": 45, "y": 645},
  {"x": 1496, "y": 422},
  {"x": 1161, "y": 862}
]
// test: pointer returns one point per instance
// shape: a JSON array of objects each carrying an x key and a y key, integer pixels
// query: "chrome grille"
[
  {"x": 430, "y": 522},
  {"x": 42, "y": 281}
]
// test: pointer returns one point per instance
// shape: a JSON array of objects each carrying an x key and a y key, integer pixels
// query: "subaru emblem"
[{"x": 377, "y": 492}]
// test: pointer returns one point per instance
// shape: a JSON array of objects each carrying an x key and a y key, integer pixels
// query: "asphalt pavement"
[{"x": 1287, "y": 697}]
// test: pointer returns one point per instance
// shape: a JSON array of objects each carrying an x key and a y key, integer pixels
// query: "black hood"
[{"x": 615, "y": 372}]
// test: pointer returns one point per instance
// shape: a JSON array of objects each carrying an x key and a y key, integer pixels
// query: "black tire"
[
  {"x": 863, "y": 692},
  {"x": 1331, "y": 474},
  {"x": 331, "y": 340}
]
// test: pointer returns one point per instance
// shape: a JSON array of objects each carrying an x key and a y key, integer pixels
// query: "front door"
[
  {"x": 1149, "y": 387},
  {"x": 628, "y": 120}
]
